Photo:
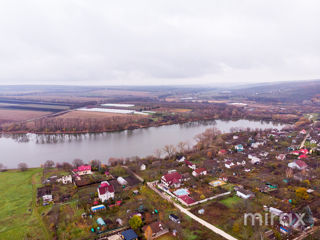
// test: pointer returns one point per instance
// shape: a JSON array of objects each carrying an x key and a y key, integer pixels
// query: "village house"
[
  {"x": 254, "y": 159},
  {"x": 264, "y": 154},
  {"x": 298, "y": 164},
  {"x": 105, "y": 191},
  {"x": 300, "y": 177},
  {"x": 172, "y": 179},
  {"x": 83, "y": 170},
  {"x": 275, "y": 211},
  {"x": 186, "y": 177},
  {"x": 245, "y": 194},
  {"x": 154, "y": 230},
  {"x": 281, "y": 157},
  {"x": 224, "y": 178},
  {"x": 296, "y": 153},
  {"x": 199, "y": 172},
  {"x": 143, "y": 167},
  {"x": 190, "y": 165},
  {"x": 228, "y": 164},
  {"x": 174, "y": 218},
  {"x": 243, "y": 163},
  {"x": 303, "y": 131},
  {"x": 256, "y": 144},
  {"x": 239, "y": 148},
  {"x": 129, "y": 235},
  {"x": 222, "y": 152},
  {"x": 289, "y": 222},
  {"x": 181, "y": 159},
  {"x": 65, "y": 179},
  {"x": 187, "y": 200}
]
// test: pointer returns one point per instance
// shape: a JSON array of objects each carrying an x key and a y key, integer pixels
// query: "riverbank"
[{"x": 134, "y": 127}]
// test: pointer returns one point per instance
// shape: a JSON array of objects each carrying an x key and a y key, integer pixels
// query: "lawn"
[
  {"x": 19, "y": 218},
  {"x": 229, "y": 202},
  {"x": 167, "y": 236}
]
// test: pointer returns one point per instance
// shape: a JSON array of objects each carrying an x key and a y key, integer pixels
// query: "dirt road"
[{"x": 190, "y": 214}]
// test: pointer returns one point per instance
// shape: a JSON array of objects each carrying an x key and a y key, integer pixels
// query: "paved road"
[{"x": 190, "y": 214}]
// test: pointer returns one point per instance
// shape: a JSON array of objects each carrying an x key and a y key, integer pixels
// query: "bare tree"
[
  {"x": 157, "y": 153},
  {"x": 23, "y": 166},
  {"x": 169, "y": 150},
  {"x": 48, "y": 164},
  {"x": 182, "y": 147},
  {"x": 66, "y": 166},
  {"x": 77, "y": 162}
]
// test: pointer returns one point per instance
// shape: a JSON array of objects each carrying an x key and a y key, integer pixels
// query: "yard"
[
  {"x": 231, "y": 201},
  {"x": 19, "y": 217},
  {"x": 167, "y": 236}
]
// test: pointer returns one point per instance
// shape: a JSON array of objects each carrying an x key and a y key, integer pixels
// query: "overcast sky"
[{"x": 158, "y": 42}]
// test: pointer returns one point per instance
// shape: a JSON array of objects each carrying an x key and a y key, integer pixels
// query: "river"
[{"x": 35, "y": 149}]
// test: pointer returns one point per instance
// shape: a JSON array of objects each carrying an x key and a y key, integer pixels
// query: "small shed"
[{"x": 101, "y": 222}]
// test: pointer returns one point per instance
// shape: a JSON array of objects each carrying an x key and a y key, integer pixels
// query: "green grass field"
[
  {"x": 19, "y": 218},
  {"x": 229, "y": 202}
]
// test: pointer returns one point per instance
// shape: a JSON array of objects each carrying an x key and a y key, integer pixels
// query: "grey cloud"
[{"x": 158, "y": 42}]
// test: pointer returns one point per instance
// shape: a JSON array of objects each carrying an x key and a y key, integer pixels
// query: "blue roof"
[{"x": 129, "y": 234}]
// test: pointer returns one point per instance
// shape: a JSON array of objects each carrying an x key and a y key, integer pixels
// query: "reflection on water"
[{"x": 35, "y": 149}]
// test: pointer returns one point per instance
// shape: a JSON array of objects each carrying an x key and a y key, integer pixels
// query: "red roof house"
[
  {"x": 199, "y": 171},
  {"x": 303, "y": 156},
  {"x": 304, "y": 151},
  {"x": 188, "y": 200},
  {"x": 105, "y": 191},
  {"x": 190, "y": 165},
  {"x": 83, "y": 170},
  {"x": 298, "y": 164},
  {"x": 222, "y": 152},
  {"x": 173, "y": 178}
]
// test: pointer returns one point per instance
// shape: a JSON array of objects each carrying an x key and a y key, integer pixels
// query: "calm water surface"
[{"x": 36, "y": 149}]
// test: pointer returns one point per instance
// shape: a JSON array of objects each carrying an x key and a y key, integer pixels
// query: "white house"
[
  {"x": 143, "y": 167},
  {"x": 191, "y": 165},
  {"x": 264, "y": 154},
  {"x": 228, "y": 164},
  {"x": 181, "y": 159},
  {"x": 105, "y": 191},
  {"x": 281, "y": 157},
  {"x": 172, "y": 179},
  {"x": 199, "y": 172},
  {"x": 65, "y": 179},
  {"x": 245, "y": 194},
  {"x": 275, "y": 211},
  {"x": 256, "y": 144},
  {"x": 298, "y": 164},
  {"x": 243, "y": 163},
  {"x": 254, "y": 159},
  {"x": 47, "y": 198}
]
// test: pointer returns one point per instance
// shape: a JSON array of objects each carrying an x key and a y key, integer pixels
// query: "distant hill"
[{"x": 294, "y": 91}]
